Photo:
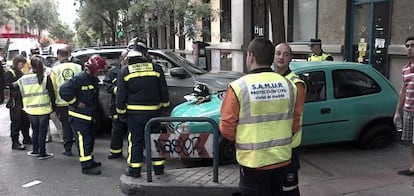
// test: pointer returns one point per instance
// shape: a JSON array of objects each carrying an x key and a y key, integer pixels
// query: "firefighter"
[
  {"x": 119, "y": 128},
  {"x": 142, "y": 93},
  {"x": 18, "y": 117},
  {"x": 82, "y": 94},
  {"x": 61, "y": 73}
]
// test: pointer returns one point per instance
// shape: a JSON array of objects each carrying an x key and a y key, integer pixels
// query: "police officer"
[
  {"x": 82, "y": 93},
  {"x": 283, "y": 56},
  {"x": 317, "y": 53},
  {"x": 119, "y": 128},
  {"x": 18, "y": 117},
  {"x": 142, "y": 92},
  {"x": 62, "y": 72},
  {"x": 257, "y": 112}
]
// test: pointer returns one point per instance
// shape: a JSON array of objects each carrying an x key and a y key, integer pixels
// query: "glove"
[{"x": 122, "y": 117}]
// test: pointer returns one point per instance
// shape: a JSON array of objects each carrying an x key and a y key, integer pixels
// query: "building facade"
[{"x": 366, "y": 31}]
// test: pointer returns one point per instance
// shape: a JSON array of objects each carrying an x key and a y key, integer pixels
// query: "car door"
[
  {"x": 318, "y": 111},
  {"x": 356, "y": 101}
]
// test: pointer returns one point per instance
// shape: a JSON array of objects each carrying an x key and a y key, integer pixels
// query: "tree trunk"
[{"x": 278, "y": 20}]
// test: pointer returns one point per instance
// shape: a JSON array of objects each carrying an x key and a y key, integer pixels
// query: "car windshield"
[
  {"x": 11, "y": 54},
  {"x": 185, "y": 63}
]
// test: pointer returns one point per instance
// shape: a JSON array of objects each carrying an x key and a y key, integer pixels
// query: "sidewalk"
[{"x": 325, "y": 171}]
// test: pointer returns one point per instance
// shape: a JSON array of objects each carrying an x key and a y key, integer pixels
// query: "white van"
[{"x": 16, "y": 48}]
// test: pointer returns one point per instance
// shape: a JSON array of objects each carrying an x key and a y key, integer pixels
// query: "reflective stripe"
[
  {"x": 266, "y": 144},
  {"x": 289, "y": 188},
  {"x": 115, "y": 116},
  {"x": 37, "y": 105},
  {"x": 120, "y": 111},
  {"x": 133, "y": 165},
  {"x": 115, "y": 90},
  {"x": 34, "y": 94},
  {"x": 165, "y": 104},
  {"x": 88, "y": 87},
  {"x": 82, "y": 157},
  {"x": 144, "y": 107},
  {"x": 115, "y": 151},
  {"x": 162, "y": 162},
  {"x": 248, "y": 119},
  {"x": 141, "y": 74},
  {"x": 12, "y": 72},
  {"x": 72, "y": 101},
  {"x": 81, "y": 116}
]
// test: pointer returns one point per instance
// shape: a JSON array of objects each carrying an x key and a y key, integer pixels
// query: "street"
[{"x": 336, "y": 169}]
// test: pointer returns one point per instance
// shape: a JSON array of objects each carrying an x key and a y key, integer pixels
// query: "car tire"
[
  {"x": 227, "y": 152},
  {"x": 376, "y": 136}
]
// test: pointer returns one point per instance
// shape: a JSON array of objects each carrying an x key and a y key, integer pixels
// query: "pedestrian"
[
  {"x": 119, "y": 128},
  {"x": 18, "y": 117},
  {"x": 405, "y": 104},
  {"x": 1, "y": 82},
  {"x": 38, "y": 98},
  {"x": 257, "y": 113},
  {"x": 317, "y": 53},
  {"x": 82, "y": 94},
  {"x": 62, "y": 72},
  {"x": 283, "y": 56},
  {"x": 142, "y": 93}
]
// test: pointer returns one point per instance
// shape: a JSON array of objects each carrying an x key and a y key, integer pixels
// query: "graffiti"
[{"x": 181, "y": 146}]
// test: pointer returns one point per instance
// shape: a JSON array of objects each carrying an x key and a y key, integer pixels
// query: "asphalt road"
[{"x": 335, "y": 169}]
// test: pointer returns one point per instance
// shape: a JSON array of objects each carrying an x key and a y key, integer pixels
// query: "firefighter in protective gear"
[
  {"x": 19, "y": 121},
  {"x": 317, "y": 53},
  {"x": 119, "y": 128},
  {"x": 38, "y": 102},
  {"x": 142, "y": 93},
  {"x": 283, "y": 56},
  {"x": 61, "y": 73},
  {"x": 257, "y": 112},
  {"x": 82, "y": 94}
]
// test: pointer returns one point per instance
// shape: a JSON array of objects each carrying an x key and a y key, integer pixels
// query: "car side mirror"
[{"x": 178, "y": 72}]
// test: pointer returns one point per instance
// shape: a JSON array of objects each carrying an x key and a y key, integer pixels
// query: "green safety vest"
[
  {"x": 297, "y": 137},
  {"x": 264, "y": 130},
  {"x": 314, "y": 57},
  {"x": 36, "y": 100},
  {"x": 61, "y": 73}
]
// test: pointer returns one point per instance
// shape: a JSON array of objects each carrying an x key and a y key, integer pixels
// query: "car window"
[
  {"x": 316, "y": 85},
  {"x": 352, "y": 83},
  {"x": 11, "y": 54},
  {"x": 111, "y": 58},
  {"x": 166, "y": 65}
]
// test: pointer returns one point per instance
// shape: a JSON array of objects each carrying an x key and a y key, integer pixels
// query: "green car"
[{"x": 344, "y": 102}]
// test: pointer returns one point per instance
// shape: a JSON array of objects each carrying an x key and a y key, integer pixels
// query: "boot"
[
  {"x": 159, "y": 169},
  {"x": 91, "y": 171},
  {"x": 18, "y": 146},
  {"x": 115, "y": 155},
  {"x": 135, "y": 173},
  {"x": 96, "y": 164}
]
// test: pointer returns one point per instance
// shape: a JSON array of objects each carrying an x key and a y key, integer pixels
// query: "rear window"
[
  {"x": 11, "y": 54},
  {"x": 352, "y": 83}
]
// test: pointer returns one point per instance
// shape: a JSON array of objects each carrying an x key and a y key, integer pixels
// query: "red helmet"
[{"x": 95, "y": 63}]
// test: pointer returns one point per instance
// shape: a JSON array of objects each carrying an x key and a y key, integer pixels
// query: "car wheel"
[
  {"x": 375, "y": 136},
  {"x": 227, "y": 152}
]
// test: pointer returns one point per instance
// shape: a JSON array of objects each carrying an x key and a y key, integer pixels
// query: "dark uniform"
[
  {"x": 82, "y": 88},
  {"x": 18, "y": 117},
  {"x": 119, "y": 128},
  {"x": 142, "y": 92}
]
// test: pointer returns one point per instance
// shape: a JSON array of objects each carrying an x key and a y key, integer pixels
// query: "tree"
[
  {"x": 42, "y": 14},
  {"x": 278, "y": 20},
  {"x": 9, "y": 10},
  {"x": 62, "y": 32},
  {"x": 96, "y": 11},
  {"x": 181, "y": 16}
]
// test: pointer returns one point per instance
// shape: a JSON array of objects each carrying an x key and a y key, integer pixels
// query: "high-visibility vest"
[
  {"x": 61, "y": 73},
  {"x": 264, "y": 130},
  {"x": 314, "y": 57},
  {"x": 36, "y": 100},
  {"x": 297, "y": 137}
]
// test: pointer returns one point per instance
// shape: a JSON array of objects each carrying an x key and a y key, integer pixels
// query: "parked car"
[
  {"x": 344, "y": 102},
  {"x": 180, "y": 74}
]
